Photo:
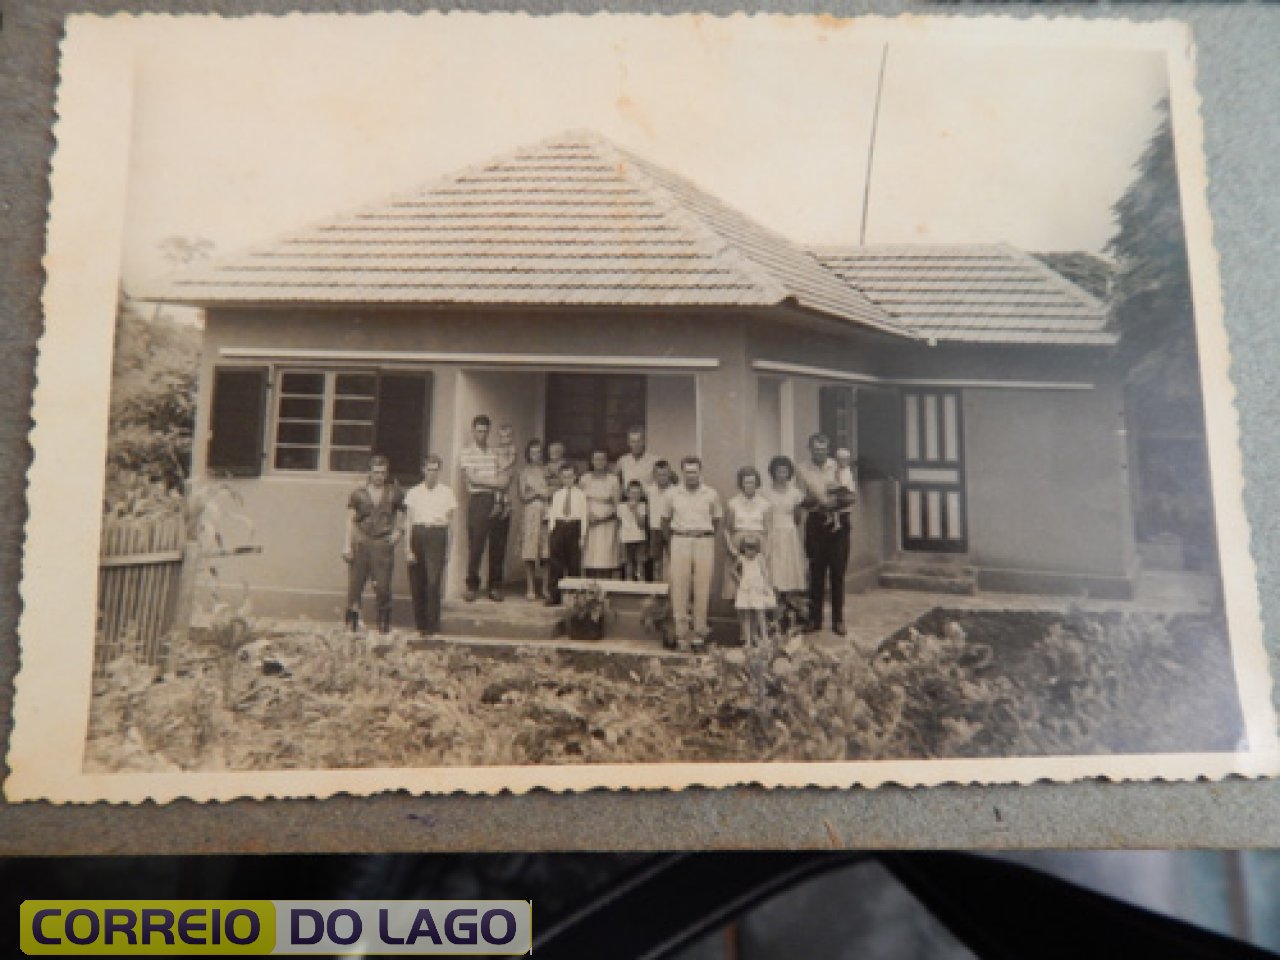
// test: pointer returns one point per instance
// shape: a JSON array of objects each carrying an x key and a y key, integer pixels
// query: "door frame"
[{"x": 933, "y": 483}]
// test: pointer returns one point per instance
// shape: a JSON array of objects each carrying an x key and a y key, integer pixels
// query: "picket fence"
[{"x": 139, "y": 571}]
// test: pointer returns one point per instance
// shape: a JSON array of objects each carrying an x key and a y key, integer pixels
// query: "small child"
[
  {"x": 755, "y": 597},
  {"x": 845, "y": 492},
  {"x": 633, "y": 531},
  {"x": 505, "y": 450}
]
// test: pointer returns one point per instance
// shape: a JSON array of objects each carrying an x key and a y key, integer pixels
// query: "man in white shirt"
[
  {"x": 429, "y": 510},
  {"x": 636, "y": 464},
  {"x": 567, "y": 518},
  {"x": 656, "y": 493},
  {"x": 692, "y": 514}
]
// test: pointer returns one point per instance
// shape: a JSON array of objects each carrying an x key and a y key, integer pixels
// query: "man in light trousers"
[{"x": 692, "y": 514}]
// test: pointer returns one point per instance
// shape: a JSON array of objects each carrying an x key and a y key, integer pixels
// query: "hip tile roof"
[
  {"x": 572, "y": 220},
  {"x": 973, "y": 293}
]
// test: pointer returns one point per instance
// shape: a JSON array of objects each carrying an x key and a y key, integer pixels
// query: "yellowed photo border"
[{"x": 90, "y": 173}]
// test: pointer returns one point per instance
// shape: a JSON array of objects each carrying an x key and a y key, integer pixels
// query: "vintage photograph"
[{"x": 818, "y": 401}]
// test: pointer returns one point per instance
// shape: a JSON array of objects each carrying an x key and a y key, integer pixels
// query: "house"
[{"x": 572, "y": 289}]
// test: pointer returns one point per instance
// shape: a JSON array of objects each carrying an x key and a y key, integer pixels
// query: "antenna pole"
[{"x": 871, "y": 146}]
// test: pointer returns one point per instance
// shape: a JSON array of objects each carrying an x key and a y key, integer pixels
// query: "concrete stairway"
[
  {"x": 930, "y": 573},
  {"x": 513, "y": 617}
]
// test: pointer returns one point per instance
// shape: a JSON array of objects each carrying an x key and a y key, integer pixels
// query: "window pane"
[
  {"x": 349, "y": 461},
  {"x": 356, "y": 384},
  {"x": 348, "y": 409},
  {"x": 297, "y": 458},
  {"x": 930, "y": 427},
  {"x": 310, "y": 384},
  {"x": 911, "y": 415},
  {"x": 305, "y": 433},
  {"x": 352, "y": 435},
  {"x": 300, "y": 408}
]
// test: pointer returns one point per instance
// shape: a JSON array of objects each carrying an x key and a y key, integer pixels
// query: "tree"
[
  {"x": 1153, "y": 312},
  {"x": 1152, "y": 283},
  {"x": 152, "y": 409}
]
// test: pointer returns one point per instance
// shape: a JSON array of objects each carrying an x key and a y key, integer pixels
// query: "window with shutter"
[{"x": 237, "y": 421}]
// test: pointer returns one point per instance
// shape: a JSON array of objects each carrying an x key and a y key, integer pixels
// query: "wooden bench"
[{"x": 622, "y": 588}]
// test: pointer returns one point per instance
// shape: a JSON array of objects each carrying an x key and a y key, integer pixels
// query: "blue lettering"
[
  {"x": 215, "y": 926},
  {"x": 509, "y": 923},
  {"x": 191, "y": 926},
  {"x": 254, "y": 926},
  {"x": 295, "y": 927},
  {"x": 424, "y": 925},
  {"x": 157, "y": 922},
  {"x": 37, "y": 926},
  {"x": 356, "y": 926},
  {"x": 383, "y": 932},
  {"x": 121, "y": 922},
  {"x": 71, "y": 926},
  {"x": 460, "y": 933}
]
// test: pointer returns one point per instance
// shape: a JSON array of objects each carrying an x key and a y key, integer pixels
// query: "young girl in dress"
[
  {"x": 633, "y": 530},
  {"x": 755, "y": 597}
]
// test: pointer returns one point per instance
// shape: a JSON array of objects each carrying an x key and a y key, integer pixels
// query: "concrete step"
[
  {"x": 958, "y": 586},
  {"x": 931, "y": 568},
  {"x": 513, "y": 617}
]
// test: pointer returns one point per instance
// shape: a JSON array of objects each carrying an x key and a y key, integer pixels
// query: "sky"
[{"x": 246, "y": 129}]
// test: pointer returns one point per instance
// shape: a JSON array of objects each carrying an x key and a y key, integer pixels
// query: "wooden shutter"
[
  {"x": 879, "y": 434},
  {"x": 237, "y": 421},
  {"x": 401, "y": 431}
]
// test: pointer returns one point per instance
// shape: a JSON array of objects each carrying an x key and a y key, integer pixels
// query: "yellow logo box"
[{"x": 147, "y": 927}]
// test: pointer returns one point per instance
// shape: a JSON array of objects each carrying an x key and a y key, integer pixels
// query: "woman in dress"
[
  {"x": 747, "y": 513},
  {"x": 534, "y": 494},
  {"x": 600, "y": 484},
  {"x": 785, "y": 552}
]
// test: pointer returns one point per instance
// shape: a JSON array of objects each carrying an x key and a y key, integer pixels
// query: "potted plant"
[{"x": 586, "y": 613}]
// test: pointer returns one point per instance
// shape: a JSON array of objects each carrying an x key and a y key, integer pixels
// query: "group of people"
[{"x": 638, "y": 518}]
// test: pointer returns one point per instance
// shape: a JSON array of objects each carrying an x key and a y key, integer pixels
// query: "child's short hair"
[
  {"x": 638, "y": 486},
  {"x": 750, "y": 540}
]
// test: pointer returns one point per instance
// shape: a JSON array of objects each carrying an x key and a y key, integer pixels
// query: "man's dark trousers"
[
  {"x": 371, "y": 559},
  {"x": 564, "y": 550},
  {"x": 828, "y": 552},
  {"x": 429, "y": 545},
  {"x": 485, "y": 530}
]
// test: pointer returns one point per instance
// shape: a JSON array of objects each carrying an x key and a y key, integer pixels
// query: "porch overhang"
[{"x": 480, "y": 360}]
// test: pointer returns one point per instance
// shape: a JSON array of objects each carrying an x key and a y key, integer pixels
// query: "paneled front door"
[{"x": 934, "y": 515}]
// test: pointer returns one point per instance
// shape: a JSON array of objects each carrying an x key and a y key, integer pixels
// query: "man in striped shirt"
[{"x": 486, "y": 528}]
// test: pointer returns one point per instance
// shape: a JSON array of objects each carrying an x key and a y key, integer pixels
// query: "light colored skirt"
[
  {"x": 602, "y": 551},
  {"x": 533, "y": 531},
  {"x": 788, "y": 567}
]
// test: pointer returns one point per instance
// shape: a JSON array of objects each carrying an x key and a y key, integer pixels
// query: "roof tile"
[{"x": 990, "y": 293}]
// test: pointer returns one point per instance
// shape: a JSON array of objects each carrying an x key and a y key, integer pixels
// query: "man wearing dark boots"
[{"x": 375, "y": 524}]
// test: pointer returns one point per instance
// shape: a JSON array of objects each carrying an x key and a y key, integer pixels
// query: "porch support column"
[
  {"x": 787, "y": 412},
  {"x": 727, "y": 406}
]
